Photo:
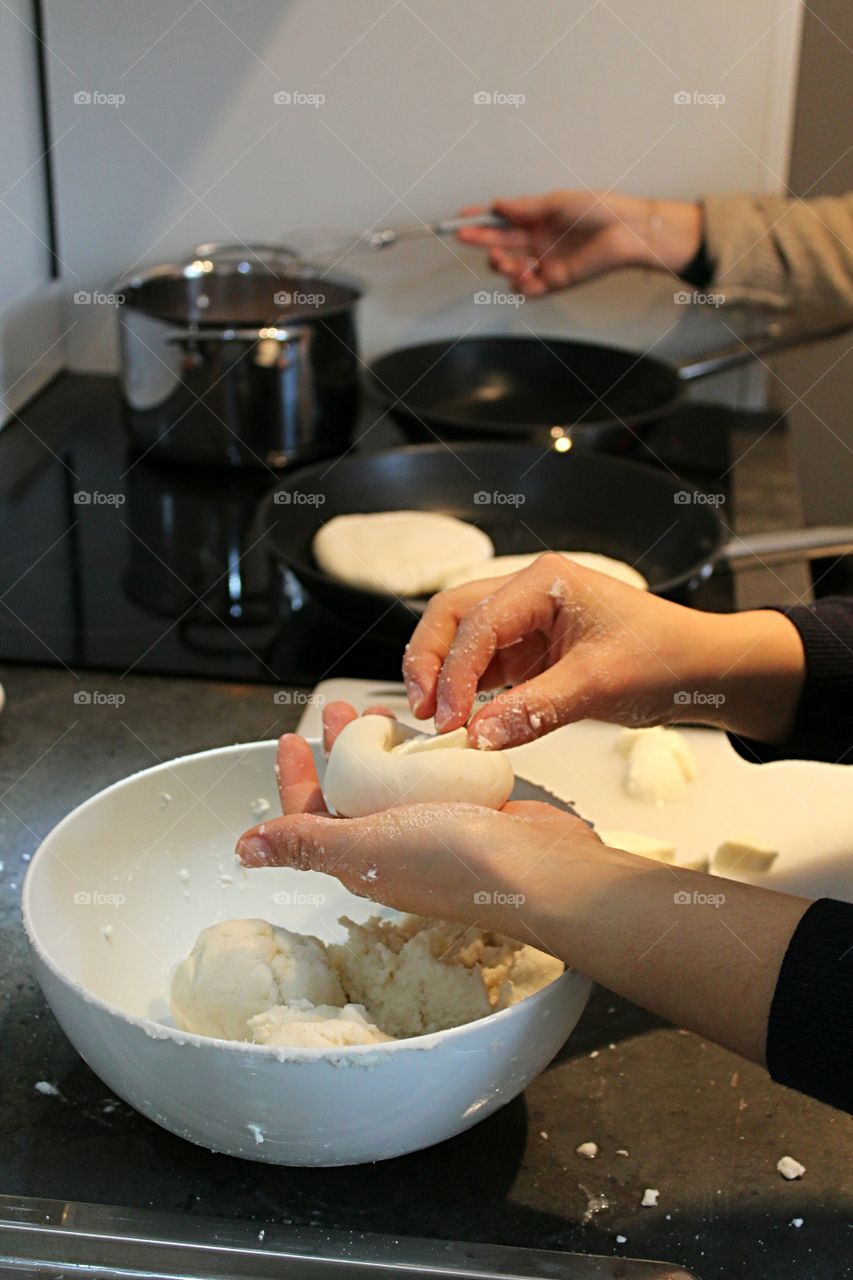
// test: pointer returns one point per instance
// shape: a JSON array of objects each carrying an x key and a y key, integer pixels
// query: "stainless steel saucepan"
[{"x": 243, "y": 355}]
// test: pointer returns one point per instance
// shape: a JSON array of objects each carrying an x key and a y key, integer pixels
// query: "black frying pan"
[
  {"x": 534, "y": 388},
  {"x": 575, "y": 501}
]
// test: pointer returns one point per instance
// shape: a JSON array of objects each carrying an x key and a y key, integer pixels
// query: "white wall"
[
  {"x": 31, "y": 348},
  {"x": 199, "y": 150}
]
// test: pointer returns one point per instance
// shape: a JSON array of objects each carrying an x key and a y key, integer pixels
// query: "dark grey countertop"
[{"x": 702, "y": 1126}]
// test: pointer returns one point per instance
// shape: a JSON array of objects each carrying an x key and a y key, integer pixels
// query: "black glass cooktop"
[{"x": 115, "y": 562}]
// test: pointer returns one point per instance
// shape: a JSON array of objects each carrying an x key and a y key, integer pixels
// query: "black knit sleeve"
[
  {"x": 823, "y": 728},
  {"x": 810, "y": 1029}
]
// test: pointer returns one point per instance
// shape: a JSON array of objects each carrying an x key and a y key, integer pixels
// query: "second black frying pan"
[{"x": 539, "y": 387}]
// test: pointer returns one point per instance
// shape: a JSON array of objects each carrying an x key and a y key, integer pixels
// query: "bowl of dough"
[{"x": 271, "y": 1014}]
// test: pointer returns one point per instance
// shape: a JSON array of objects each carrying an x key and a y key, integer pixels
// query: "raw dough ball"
[
  {"x": 403, "y": 553},
  {"x": 416, "y": 976},
  {"x": 243, "y": 967},
  {"x": 376, "y": 764},
  {"x": 501, "y": 565},
  {"x": 302, "y": 1025},
  {"x": 660, "y": 763}
]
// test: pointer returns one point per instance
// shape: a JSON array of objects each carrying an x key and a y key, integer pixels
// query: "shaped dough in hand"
[
  {"x": 377, "y": 764},
  {"x": 404, "y": 553}
]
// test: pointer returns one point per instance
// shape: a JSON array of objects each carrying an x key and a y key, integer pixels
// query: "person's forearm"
[
  {"x": 743, "y": 672},
  {"x": 702, "y": 951},
  {"x": 671, "y": 232}
]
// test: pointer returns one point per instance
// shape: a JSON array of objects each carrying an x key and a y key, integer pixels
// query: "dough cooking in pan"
[
  {"x": 376, "y": 764},
  {"x": 402, "y": 553},
  {"x": 499, "y": 566}
]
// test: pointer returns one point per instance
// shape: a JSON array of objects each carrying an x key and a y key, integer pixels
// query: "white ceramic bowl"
[{"x": 115, "y": 897}]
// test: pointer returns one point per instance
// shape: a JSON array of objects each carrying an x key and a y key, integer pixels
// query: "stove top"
[{"x": 120, "y": 563}]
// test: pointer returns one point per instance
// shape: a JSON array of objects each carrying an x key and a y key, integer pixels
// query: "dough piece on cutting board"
[
  {"x": 661, "y": 764},
  {"x": 402, "y": 553},
  {"x": 376, "y": 764},
  {"x": 744, "y": 853},
  {"x": 652, "y": 847},
  {"x": 645, "y": 846},
  {"x": 500, "y": 566}
]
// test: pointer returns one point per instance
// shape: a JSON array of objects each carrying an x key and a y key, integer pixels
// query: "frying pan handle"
[
  {"x": 776, "y": 337},
  {"x": 784, "y": 545}
]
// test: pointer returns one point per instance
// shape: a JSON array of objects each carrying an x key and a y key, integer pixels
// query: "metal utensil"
[
  {"x": 387, "y": 236},
  {"x": 55, "y": 1238}
]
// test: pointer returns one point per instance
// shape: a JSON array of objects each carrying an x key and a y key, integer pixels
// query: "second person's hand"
[{"x": 566, "y": 237}]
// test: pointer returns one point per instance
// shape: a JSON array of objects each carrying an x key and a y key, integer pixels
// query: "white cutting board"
[{"x": 801, "y": 808}]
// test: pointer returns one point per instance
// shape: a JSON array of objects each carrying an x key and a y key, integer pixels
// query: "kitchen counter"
[{"x": 699, "y": 1124}]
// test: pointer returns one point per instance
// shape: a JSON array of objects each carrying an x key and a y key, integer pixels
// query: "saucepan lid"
[{"x": 238, "y": 285}]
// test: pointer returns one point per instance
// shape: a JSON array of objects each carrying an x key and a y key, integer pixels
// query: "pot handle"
[
  {"x": 782, "y": 545},
  {"x": 776, "y": 336}
]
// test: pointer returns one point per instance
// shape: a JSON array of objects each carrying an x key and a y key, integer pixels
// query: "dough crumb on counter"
[
  {"x": 790, "y": 1168},
  {"x": 650, "y": 1198},
  {"x": 587, "y": 1149}
]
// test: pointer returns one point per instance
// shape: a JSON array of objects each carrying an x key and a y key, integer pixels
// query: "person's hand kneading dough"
[{"x": 576, "y": 644}]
